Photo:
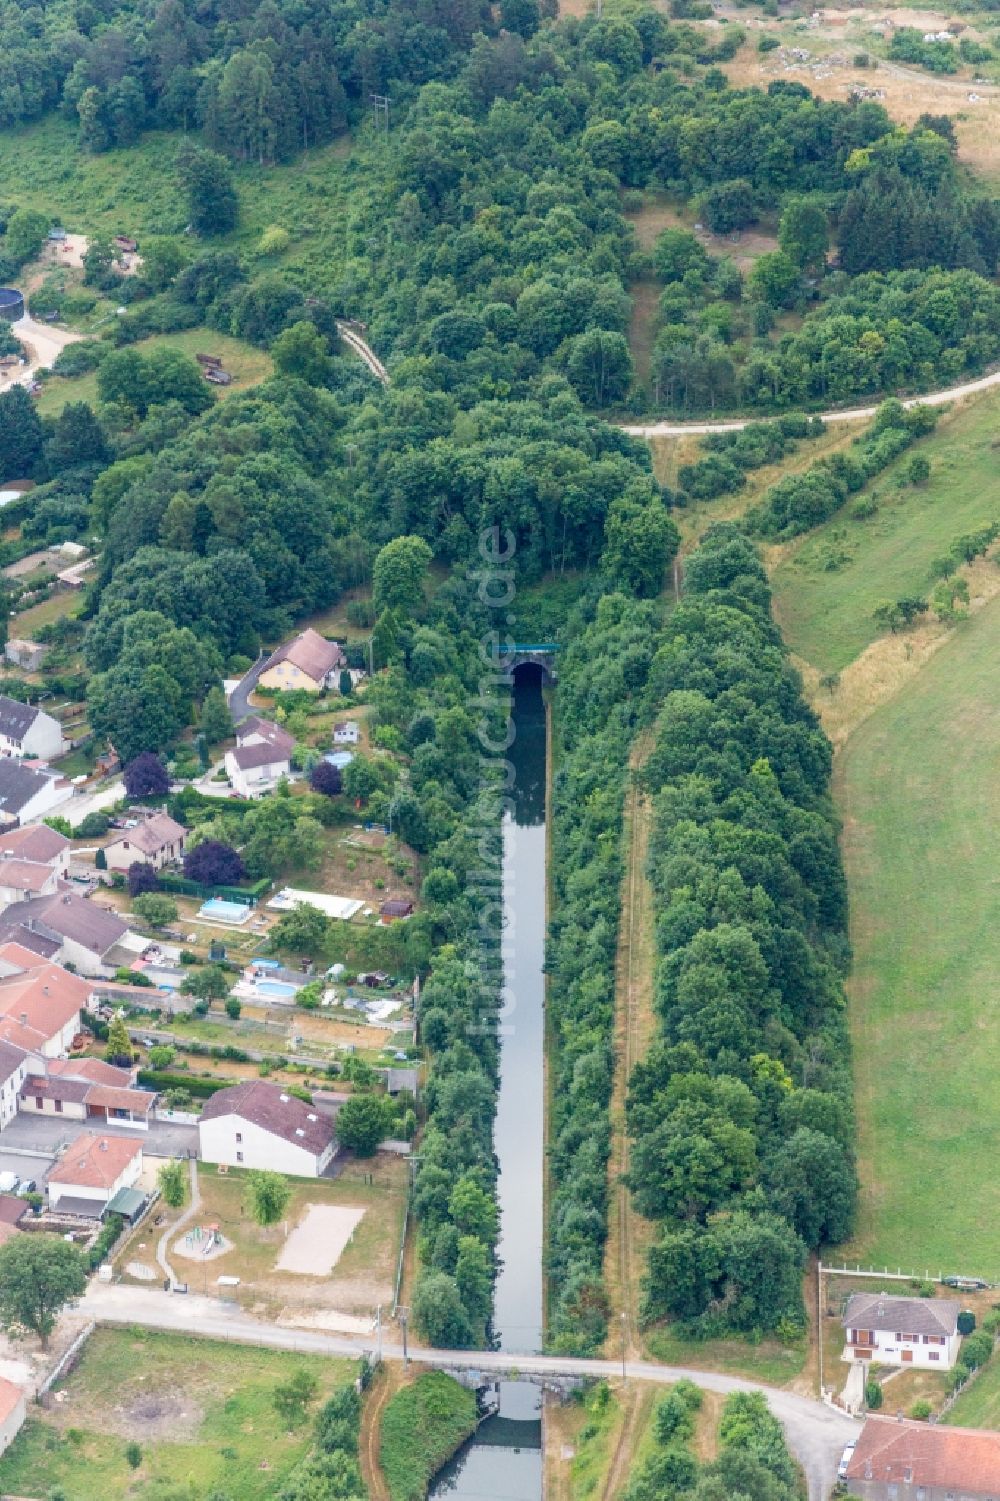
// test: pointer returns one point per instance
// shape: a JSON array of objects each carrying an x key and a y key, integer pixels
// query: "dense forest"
[{"x": 741, "y": 1113}]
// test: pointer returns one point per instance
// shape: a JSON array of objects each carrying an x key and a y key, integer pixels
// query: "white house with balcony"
[{"x": 902, "y": 1331}]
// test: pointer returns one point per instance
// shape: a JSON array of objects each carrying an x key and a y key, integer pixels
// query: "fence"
[
  {"x": 898, "y": 1275},
  {"x": 65, "y": 1361}
]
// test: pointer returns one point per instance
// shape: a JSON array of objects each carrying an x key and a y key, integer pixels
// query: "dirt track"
[{"x": 851, "y": 414}]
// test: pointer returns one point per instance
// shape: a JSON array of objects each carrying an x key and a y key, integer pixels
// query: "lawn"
[
  {"x": 62, "y": 603},
  {"x": 915, "y": 786},
  {"x": 201, "y": 1412},
  {"x": 422, "y": 1426},
  {"x": 826, "y": 587},
  {"x": 362, "y": 1278},
  {"x": 767, "y": 1361},
  {"x": 979, "y": 1404},
  {"x": 248, "y": 367}
]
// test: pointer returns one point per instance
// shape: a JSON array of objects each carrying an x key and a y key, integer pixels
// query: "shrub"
[
  {"x": 976, "y": 1350},
  {"x": 133, "y": 1454},
  {"x": 213, "y": 863},
  {"x": 966, "y": 1321},
  {"x": 146, "y": 776},
  {"x": 873, "y": 1395},
  {"x": 233, "y": 1007},
  {"x": 921, "y": 1410},
  {"x": 93, "y": 826},
  {"x": 141, "y": 879}
]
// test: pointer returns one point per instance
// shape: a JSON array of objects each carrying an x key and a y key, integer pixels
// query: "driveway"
[
  {"x": 27, "y": 1167},
  {"x": 47, "y": 1134},
  {"x": 77, "y": 809},
  {"x": 239, "y": 699},
  {"x": 43, "y": 344}
]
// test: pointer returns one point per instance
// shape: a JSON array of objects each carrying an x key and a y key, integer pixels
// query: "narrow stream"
[{"x": 503, "y": 1462}]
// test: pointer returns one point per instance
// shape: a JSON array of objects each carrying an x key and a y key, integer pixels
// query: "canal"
[{"x": 503, "y": 1462}]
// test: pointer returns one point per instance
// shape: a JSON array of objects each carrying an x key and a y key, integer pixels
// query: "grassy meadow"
[
  {"x": 826, "y": 586},
  {"x": 247, "y": 365},
  {"x": 135, "y": 191},
  {"x": 202, "y": 1414},
  {"x": 916, "y": 787}
]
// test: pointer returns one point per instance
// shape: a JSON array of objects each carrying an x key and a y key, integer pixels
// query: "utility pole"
[
  {"x": 819, "y": 1320},
  {"x": 380, "y": 112}
]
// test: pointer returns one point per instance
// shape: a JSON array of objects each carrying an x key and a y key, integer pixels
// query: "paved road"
[
  {"x": 852, "y": 414},
  {"x": 239, "y": 699},
  {"x": 816, "y": 1433},
  {"x": 77, "y": 809}
]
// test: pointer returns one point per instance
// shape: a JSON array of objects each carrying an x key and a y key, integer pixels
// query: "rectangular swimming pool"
[{"x": 218, "y": 910}]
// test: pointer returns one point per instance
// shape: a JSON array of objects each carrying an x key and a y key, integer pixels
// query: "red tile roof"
[
  {"x": 93, "y": 1161},
  {"x": 958, "y": 1459},
  {"x": 10, "y": 1396}
]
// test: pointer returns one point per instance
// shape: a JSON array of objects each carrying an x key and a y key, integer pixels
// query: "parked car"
[
  {"x": 966, "y": 1284},
  {"x": 846, "y": 1458}
]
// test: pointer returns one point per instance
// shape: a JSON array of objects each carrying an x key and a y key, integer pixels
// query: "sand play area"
[{"x": 319, "y": 1239}]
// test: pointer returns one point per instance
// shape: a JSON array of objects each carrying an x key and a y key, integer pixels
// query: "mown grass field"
[
  {"x": 201, "y": 1412},
  {"x": 248, "y": 367},
  {"x": 827, "y": 586},
  {"x": 916, "y": 787}
]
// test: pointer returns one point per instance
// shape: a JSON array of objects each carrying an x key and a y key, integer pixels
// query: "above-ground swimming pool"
[
  {"x": 274, "y": 987},
  {"x": 218, "y": 910}
]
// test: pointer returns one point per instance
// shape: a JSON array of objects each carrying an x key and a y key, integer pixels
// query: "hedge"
[
  {"x": 160, "y": 1081},
  {"x": 181, "y": 886}
]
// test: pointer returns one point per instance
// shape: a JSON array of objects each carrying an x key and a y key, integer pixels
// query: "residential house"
[
  {"x": 73, "y": 1093},
  {"x": 71, "y": 930},
  {"x": 92, "y": 1172},
  {"x": 13, "y": 1070},
  {"x": 21, "y": 879},
  {"x": 392, "y": 910},
  {"x": 12, "y": 1212},
  {"x": 40, "y": 1006},
  {"x": 895, "y": 1460},
  {"x": 26, "y": 654},
  {"x": 902, "y": 1331},
  {"x": 26, "y": 731},
  {"x": 39, "y": 844},
  {"x": 28, "y": 793},
  {"x": 12, "y": 1412},
  {"x": 348, "y": 733},
  {"x": 257, "y": 1125},
  {"x": 308, "y": 661},
  {"x": 254, "y": 770},
  {"x": 156, "y": 840},
  {"x": 257, "y": 731}
]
